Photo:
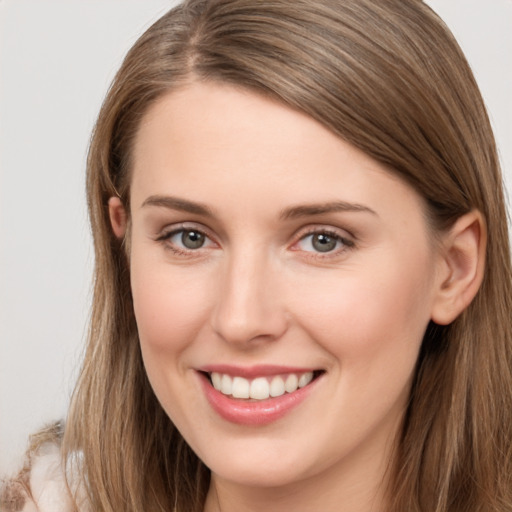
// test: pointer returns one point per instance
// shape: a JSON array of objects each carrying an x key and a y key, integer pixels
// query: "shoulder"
[{"x": 41, "y": 485}]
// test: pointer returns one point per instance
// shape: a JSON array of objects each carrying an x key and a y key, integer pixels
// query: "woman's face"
[{"x": 267, "y": 254}]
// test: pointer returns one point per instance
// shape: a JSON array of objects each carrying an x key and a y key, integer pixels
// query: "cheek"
[
  {"x": 379, "y": 313},
  {"x": 169, "y": 306},
  {"x": 170, "y": 310},
  {"x": 372, "y": 326}
]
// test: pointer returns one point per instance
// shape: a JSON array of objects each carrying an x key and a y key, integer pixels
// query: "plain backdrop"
[{"x": 56, "y": 61}]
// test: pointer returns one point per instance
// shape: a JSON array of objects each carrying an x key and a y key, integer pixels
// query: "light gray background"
[{"x": 56, "y": 61}]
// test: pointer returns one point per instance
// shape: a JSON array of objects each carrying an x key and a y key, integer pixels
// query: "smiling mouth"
[{"x": 261, "y": 388}]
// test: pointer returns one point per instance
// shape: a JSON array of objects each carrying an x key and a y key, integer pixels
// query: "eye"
[
  {"x": 183, "y": 240},
  {"x": 323, "y": 242},
  {"x": 190, "y": 238}
]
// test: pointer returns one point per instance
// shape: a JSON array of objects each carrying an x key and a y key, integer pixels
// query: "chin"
[
  {"x": 261, "y": 463},
  {"x": 247, "y": 474}
]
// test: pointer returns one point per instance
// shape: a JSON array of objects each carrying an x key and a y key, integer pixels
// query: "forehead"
[
  {"x": 222, "y": 117},
  {"x": 218, "y": 144}
]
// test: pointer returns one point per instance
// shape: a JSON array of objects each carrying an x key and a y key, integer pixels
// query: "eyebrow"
[
  {"x": 294, "y": 212},
  {"x": 176, "y": 203},
  {"x": 308, "y": 210}
]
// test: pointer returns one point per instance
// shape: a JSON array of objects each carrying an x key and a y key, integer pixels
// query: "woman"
[{"x": 302, "y": 287}]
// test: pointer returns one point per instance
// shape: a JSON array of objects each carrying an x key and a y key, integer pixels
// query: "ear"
[
  {"x": 118, "y": 217},
  {"x": 463, "y": 264}
]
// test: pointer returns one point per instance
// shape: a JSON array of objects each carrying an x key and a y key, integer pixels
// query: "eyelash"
[{"x": 346, "y": 243}]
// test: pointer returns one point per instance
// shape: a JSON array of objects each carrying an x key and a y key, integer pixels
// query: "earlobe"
[
  {"x": 463, "y": 263},
  {"x": 118, "y": 217}
]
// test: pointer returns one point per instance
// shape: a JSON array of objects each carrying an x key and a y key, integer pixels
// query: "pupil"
[
  {"x": 192, "y": 239},
  {"x": 324, "y": 243}
]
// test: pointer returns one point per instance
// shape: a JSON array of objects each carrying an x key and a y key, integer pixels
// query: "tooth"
[
  {"x": 277, "y": 387},
  {"x": 216, "y": 380},
  {"x": 291, "y": 383},
  {"x": 240, "y": 388},
  {"x": 226, "y": 385},
  {"x": 260, "y": 389},
  {"x": 305, "y": 379}
]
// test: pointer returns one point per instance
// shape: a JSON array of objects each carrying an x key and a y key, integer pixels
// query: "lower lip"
[{"x": 261, "y": 412}]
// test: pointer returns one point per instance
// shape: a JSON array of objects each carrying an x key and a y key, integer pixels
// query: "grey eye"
[
  {"x": 192, "y": 239},
  {"x": 322, "y": 242}
]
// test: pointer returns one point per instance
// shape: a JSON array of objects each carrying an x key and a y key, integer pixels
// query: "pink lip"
[{"x": 254, "y": 413}]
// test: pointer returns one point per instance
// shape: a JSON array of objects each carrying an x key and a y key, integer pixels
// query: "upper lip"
[{"x": 251, "y": 372}]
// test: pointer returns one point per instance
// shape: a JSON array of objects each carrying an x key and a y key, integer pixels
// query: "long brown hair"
[{"x": 389, "y": 78}]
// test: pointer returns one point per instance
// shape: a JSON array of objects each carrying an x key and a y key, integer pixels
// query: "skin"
[{"x": 259, "y": 292}]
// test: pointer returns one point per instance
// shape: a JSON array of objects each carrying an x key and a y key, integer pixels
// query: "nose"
[{"x": 249, "y": 308}]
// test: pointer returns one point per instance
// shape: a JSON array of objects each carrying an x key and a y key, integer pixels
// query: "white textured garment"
[
  {"x": 43, "y": 489},
  {"x": 47, "y": 483}
]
